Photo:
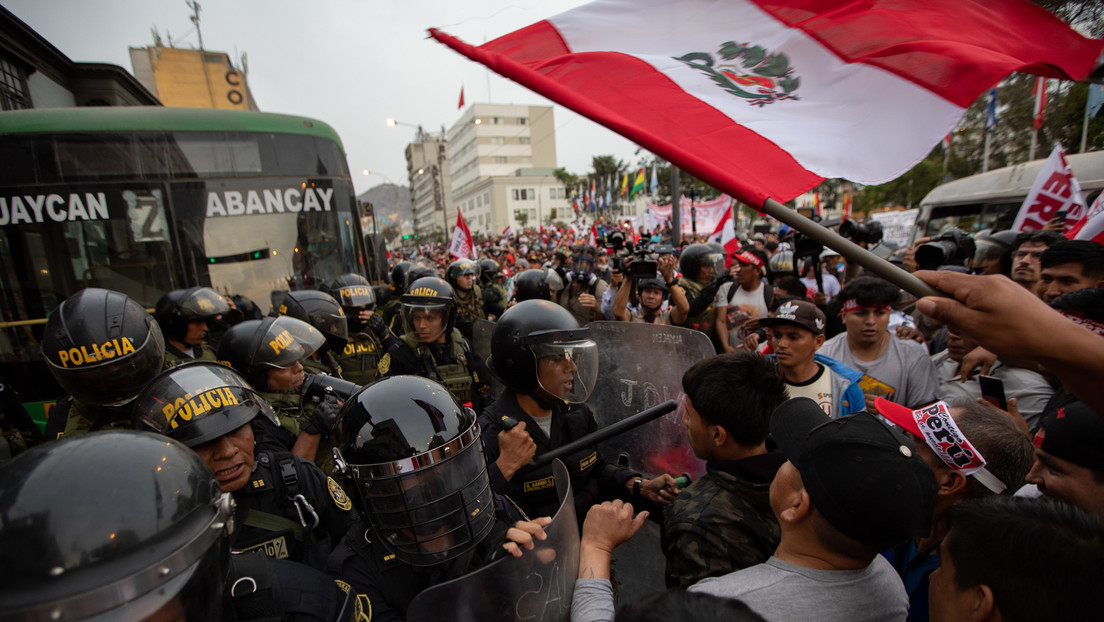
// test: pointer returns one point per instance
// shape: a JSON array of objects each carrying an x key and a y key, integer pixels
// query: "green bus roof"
[{"x": 159, "y": 119}]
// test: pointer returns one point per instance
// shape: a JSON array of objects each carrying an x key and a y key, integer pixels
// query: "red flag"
[
  {"x": 1091, "y": 227},
  {"x": 766, "y": 95},
  {"x": 1055, "y": 189},
  {"x": 1040, "y": 102},
  {"x": 725, "y": 235},
  {"x": 462, "y": 246},
  {"x": 460, "y": 106}
]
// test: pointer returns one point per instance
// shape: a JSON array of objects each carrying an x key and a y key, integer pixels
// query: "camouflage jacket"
[{"x": 722, "y": 522}]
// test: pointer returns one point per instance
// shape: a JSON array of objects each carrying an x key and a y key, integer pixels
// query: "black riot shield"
[
  {"x": 481, "y": 345},
  {"x": 536, "y": 587},
  {"x": 639, "y": 366}
]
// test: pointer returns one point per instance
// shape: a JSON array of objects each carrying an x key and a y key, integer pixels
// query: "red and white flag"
[
  {"x": 1055, "y": 189},
  {"x": 1091, "y": 227},
  {"x": 460, "y": 106},
  {"x": 592, "y": 236},
  {"x": 725, "y": 235},
  {"x": 766, "y": 98},
  {"x": 1040, "y": 103},
  {"x": 462, "y": 246}
]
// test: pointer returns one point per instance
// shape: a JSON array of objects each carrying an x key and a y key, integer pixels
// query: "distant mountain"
[{"x": 392, "y": 203}]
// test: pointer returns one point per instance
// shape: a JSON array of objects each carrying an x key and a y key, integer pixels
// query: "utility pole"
[{"x": 676, "y": 208}]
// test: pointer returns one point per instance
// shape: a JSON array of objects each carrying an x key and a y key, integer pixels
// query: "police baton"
[{"x": 598, "y": 436}]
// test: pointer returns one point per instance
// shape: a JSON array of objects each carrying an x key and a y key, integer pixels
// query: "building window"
[
  {"x": 486, "y": 198},
  {"x": 523, "y": 140},
  {"x": 523, "y": 120},
  {"x": 500, "y": 159},
  {"x": 14, "y": 94},
  {"x": 498, "y": 140},
  {"x": 533, "y": 193},
  {"x": 517, "y": 194}
]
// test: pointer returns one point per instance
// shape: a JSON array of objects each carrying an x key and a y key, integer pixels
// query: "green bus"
[{"x": 144, "y": 200}]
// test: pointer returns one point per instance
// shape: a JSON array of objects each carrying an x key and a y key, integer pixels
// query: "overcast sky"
[{"x": 350, "y": 63}]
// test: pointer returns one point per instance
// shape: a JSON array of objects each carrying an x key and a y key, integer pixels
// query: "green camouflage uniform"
[
  {"x": 174, "y": 357},
  {"x": 472, "y": 306},
  {"x": 722, "y": 522}
]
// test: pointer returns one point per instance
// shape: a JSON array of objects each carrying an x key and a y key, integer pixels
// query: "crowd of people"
[{"x": 868, "y": 455}]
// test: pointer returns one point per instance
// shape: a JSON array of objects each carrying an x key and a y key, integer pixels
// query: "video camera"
[
  {"x": 951, "y": 248},
  {"x": 318, "y": 386},
  {"x": 644, "y": 264},
  {"x": 869, "y": 233}
]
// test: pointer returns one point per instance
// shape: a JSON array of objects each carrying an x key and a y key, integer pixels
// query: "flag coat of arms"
[{"x": 766, "y": 98}]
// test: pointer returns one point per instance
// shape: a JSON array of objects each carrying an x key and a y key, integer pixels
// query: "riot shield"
[
  {"x": 639, "y": 366},
  {"x": 481, "y": 345},
  {"x": 536, "y": 587}
]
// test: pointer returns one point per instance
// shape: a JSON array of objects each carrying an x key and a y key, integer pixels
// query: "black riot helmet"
[
  {"x": 489, "y": 271},
  {"x": 102, "y": 347},
  {"x": 398, "y": 276},
  {"x": 176, "y": 309},
  {"x": 419, "y": 272},
  {"x": 113, "y": 525},
  {"x": 430, "y": 294},
  {"x": 530, "y": 285},
  {"x": 321, "y": 311},
  {"x": 198, "y": 402},
  {"x": 255, "y": 346},
  {"x": 351, "y": 291},
  {"x": 459, "y": 268},
  {"x": 411, "y": 454},
  {"x": 538, "y": 345},
  {"x": 698, "y": 256}
]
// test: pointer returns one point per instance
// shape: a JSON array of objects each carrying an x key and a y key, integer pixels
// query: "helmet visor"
[
  {"x": 432, "y": 514},
  {"x": 204, "y": 302},
  {"x": 567, "y": 370},
  {"x": 717, "y": 260},
  {"x": 331, "y": 324},
  {"x": 286, "y": 341},
  {"x": 427, "y": 320}
]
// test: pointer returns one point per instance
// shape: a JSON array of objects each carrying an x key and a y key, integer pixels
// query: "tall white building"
[{"x": 427, "y": 170}]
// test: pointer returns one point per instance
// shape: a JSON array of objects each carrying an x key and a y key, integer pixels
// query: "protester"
[
  {"x": 583, "y": 295},
  {"x": 1027, "y": 250},
  {"x": 747, "y": 297},
  {"x": 1069, "y": 457},
  {"x": 723, "y": 521},
  {"x": 1068, "y": 266}
]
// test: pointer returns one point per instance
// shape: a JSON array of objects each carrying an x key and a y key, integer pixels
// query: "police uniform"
[
  {"x": 360, "y": 359},
  {"x": 592, "y": 478},
  {"x": 328, "y": 364},
  {"x": 290, "y": 510},
  {"x": 704, "y": 320},
  {"x": 471, "y": 307},
  {"x": 451, "y": 363},
  {"x": 174, "y": 356},
  {"x": 494, "y": 299},
  {"x": 70, "y": 417}
]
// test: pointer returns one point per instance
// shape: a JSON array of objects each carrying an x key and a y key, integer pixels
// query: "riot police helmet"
[
  {"x": 459, "y": 268},
  {"x": 697, "y": 257},
  {"x": 398, "y": 275},
  {"x": 489, "y": 271},
  {"x": 781, "y": 263},
  {"x": 419, "y": 272},
  {"x": 351, "y": 291},
  {"x": 198, "y": 402},
  {"x": 102, "y": 347},
  {"x": 429, "y": 295},
  {"x": 412, "y": 457},
  {"x": 321, "y": 311},
  {"x": 113, "y": 525},
  {"x": 538, "y": 348},
  {"x": 530, "y": 285},
  {"x": 178, "y": 308},
  {"x": 255, "y": 346}
]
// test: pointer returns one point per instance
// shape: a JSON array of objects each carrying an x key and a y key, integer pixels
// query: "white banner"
[
  {"x": 1055, "y": 189},
  {"x": 897, "y": 226},
  {"x": 707, "y": 213}
]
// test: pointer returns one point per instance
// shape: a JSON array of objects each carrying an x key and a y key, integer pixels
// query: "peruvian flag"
[
  {"x": 1091, "y": 227},
  {"x": 460, "y": 106},
  {"x": 767, "y": 98},
  {"x": 592, "y": 236},
  {"x": 725, "y": 235},
  {"x": 1055, "y": 189},
  {"x": 462, "y": 246}
]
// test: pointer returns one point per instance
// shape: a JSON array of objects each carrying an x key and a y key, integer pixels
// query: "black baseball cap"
[
  {"x": 1075, "y": 433},
  {"x": 798, "y": 313},
  {"x": 864, "y": 477}
]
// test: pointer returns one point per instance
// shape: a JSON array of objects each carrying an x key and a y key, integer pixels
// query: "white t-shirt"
[
  {"x": 831, "y": 285},
  {"x": 744, "y": 306},
  {"x": 818, "y": 388}
]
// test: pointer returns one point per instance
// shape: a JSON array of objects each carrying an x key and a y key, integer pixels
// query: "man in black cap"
[
  {"x": 1069, "y": 457},
  {"x": 851, "y": 487}
]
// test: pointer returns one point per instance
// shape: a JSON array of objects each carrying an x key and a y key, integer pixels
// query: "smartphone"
[
  {"x": 992, "y": 391},
  {"x": 1060, "y": 216}
]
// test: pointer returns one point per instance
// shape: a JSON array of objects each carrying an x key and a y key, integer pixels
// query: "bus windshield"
[{"x": 250, "y": 214}]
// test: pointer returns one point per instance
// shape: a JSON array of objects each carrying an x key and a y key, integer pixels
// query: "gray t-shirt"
[
  {"x": 905, "y": 367},
  {"x": 781, "y": 592}
]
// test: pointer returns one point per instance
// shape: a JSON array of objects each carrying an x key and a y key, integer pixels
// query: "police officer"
[
  {"x": 540, "y": 283},
  {"x": 397, "y": 285},
  {"x": 321, "y": 311},
  {"x": 102, "y": 347},
  {"x": 433, "y": 348},
  {"x": 494, "y": 294},
  {"x": 462, "y": 275},
  {"x": 359, "y": 358},
  {"x": 549, "y": 366},
  {"x": 185, "y": 316},
  {"x": 268, "y": 354},
  {"x": 398, "y": 325},
  {"x": 702, "y": 269},
  {"x": 413, "y": 464},
  {"x": 122, "y": 525},
  {"x": 286, "y": 506}
]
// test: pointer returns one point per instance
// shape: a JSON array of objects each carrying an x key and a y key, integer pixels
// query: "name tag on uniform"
[
  {"x": 277, "y": 548},
  {"x": 589, "y": 461},
  {"x": 539, "y": 484}
]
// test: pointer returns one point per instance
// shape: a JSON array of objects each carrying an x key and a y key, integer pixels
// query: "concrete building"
[
  {"x": 523, "y": 199},
  {"x": 192, "y": 78},
  {"x": 427, "y": 170},
  {"x": 35, "y": 74}
]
